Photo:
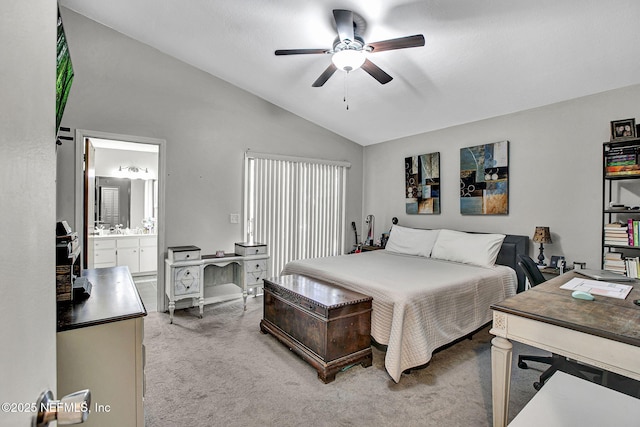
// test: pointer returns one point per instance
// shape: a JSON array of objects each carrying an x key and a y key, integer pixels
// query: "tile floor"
[{"x": 147, "y": 288}]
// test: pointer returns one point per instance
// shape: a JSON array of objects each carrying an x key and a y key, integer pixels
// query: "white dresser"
[
  {"x": 185, "y": 268},
  {"x": 100, "y": 347}
]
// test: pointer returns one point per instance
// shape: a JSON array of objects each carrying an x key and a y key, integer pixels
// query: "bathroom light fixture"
[{"x": 133, "y": 169}]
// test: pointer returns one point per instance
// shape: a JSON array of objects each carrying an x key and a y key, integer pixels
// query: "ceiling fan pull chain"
[{"x": 346, "y": 89}]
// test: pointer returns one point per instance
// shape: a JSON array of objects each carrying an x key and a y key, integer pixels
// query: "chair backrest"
[{"x": 530, "y": 269}]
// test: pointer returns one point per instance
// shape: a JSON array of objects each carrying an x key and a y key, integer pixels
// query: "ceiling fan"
[{"x": 349, "y": 48}]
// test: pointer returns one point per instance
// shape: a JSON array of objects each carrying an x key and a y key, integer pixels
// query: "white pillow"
[
  {"x": 467, "y": 248},
  {"x": 411, "y": 241}
]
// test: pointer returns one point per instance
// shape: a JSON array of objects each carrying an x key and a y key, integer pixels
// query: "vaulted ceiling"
[{"x": 482, "y": 58}]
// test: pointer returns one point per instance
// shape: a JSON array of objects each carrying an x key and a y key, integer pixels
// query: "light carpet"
[{"x": 222, "y": 371}]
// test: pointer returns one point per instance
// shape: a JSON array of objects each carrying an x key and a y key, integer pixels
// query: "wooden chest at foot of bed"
[{"x": 328, "y": 326}]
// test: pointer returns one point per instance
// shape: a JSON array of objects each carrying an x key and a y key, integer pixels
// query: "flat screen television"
[{"x": 64, "y": 73}]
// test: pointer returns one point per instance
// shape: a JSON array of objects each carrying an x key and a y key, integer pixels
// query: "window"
[{"x": 294, "y": 205}]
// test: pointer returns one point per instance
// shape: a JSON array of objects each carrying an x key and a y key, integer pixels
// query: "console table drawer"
[
  {"x": 256, "y": 266},
  {"x": 255, "y": 277},
  {"x": 245, "y": 249},
  {"x": 186, "y": 280},
  {"x": 183, "y": 253}
]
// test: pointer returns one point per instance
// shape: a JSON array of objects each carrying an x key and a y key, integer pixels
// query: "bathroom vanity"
[{"x": 139, "y": 252}]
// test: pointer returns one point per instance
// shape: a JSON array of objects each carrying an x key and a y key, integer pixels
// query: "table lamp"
[{"x": 542, "y": 235}]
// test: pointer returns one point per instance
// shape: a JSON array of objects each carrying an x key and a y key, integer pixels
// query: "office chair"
[{"x": 555, "y": 361}]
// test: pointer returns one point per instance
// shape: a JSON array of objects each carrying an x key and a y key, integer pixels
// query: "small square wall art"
[
  {"x": 422, "y": 184},
  {"x": 484, "y": 179}
]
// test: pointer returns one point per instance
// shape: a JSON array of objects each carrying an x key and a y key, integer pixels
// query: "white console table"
[{"x": 185, "y": 275}]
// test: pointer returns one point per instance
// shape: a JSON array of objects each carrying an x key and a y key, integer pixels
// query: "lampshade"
[
  {"x": 542, "y": 235},
  {"x": 348, "y": 59}
]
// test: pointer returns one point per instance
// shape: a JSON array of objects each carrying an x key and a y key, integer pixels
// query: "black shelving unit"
[{"x": 614, "y": 173}]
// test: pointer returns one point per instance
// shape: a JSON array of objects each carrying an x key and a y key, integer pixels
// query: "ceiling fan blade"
[
  {"x": 376, "y": 72},
  {"x": 325, "y": 75},
  {"x": 399, "y": 43},
  {"x": 299, "y": 51},
  {"x": 344, "y": 24}
]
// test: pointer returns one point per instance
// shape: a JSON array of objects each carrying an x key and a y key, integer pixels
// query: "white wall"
[
  {"x": 107, "y": 162},
  {"x": 125, "y": 87},
  {"x": 27, "y": 193},
  {"x": 555, "y": 171}
]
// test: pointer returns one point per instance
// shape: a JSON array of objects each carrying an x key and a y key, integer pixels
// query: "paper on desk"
[{"x": 596, "y": 287}]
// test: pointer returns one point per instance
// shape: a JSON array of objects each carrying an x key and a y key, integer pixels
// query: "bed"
[{"x": 429, "y": 287}]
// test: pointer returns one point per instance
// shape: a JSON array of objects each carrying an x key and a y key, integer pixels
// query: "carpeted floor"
[{"x": 221, "y": 371}]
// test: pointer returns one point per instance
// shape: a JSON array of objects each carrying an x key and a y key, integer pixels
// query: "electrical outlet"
[{"x": 234, "y": 218}]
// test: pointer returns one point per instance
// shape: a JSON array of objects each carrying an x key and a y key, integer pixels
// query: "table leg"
[
  {"x": 501, "y": 355},
  {"x": 172, "y": 307}
]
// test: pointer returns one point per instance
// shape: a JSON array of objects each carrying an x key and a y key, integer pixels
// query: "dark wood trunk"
[{"x": 328, "y": 326}]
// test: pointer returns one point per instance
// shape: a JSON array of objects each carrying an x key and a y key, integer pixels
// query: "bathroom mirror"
[{"x": 123, "y": 201}]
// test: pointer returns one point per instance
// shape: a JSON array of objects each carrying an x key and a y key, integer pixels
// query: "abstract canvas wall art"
[
  {"x": 484, "y": 179},
  {"x": 422, "y": 184}
]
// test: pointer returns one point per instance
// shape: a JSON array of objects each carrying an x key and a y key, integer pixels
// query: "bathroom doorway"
[{"x": 122, "y": 209}]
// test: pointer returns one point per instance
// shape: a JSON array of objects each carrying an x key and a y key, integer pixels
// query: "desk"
[
  {"x": 184, "y": 278},
  {"x": 603, "y": 333},
  {"x": 576, "y": 409}
]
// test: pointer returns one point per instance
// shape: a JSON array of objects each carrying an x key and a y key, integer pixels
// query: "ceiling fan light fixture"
[{"x": 348, "y": 59}]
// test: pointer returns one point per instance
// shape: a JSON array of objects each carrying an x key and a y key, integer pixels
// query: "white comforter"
[{"x": 419, "y": 304}]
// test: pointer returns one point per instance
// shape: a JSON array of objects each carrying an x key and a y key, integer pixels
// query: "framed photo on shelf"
[
  {"x": 555, "y": 260},
  {"x": 623, "y": 129}
]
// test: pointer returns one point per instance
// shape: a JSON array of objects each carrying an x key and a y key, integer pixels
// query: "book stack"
[
  {"x": 622, "y": 161},
  {"x": 613, "y": 261},
  {"x": 618, "y": 234},
  {"x": 633, "y": 228},
  {"x": 632, "y": 265}
]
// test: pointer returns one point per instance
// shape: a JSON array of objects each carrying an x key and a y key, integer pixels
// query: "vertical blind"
[{"x": 296, "y": 206}]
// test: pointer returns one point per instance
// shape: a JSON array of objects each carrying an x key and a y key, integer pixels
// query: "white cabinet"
[
  {"x": 127, "y": 253},
  {"x": 104, "y": 253},
  {"x": 139, "y": 253},
  {"x": 148, "y": 253}
]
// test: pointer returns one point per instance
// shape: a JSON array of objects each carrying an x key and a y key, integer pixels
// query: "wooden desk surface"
[{"x": 610, "y": 318}]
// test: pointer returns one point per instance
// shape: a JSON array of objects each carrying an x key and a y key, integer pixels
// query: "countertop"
[
  {"x": 114, "y": 297},
  {"x": 120, "y": 236}
]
